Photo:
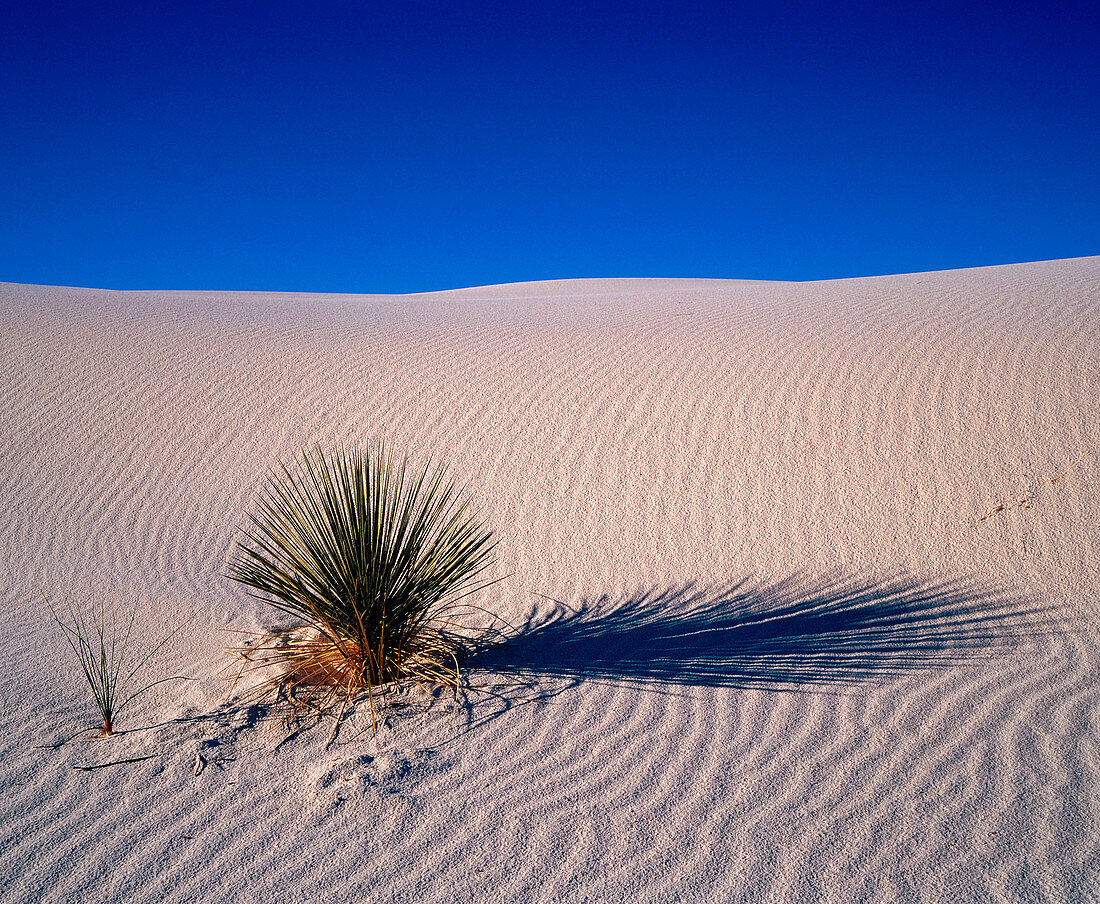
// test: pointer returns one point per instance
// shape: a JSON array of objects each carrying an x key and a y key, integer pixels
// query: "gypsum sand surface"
[{"x": 804, "y": 614}]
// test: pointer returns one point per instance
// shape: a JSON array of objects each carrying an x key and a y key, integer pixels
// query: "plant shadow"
[{"x": 794, "y": 634}]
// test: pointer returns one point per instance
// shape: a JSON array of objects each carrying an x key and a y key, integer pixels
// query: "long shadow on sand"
[{"x": 793, "y": 634}]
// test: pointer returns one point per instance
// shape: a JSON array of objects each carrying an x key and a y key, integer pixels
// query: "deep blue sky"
[{"x": 410, "y": 145}]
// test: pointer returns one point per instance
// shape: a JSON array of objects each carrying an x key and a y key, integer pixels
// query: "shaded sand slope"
[{"x": 804, "y": 615}]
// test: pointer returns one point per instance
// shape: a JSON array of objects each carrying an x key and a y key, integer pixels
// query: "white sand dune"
[{"x": 771, "y": 651}]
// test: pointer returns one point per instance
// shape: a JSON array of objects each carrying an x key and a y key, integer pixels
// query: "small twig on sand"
[
  {"x": 136, "y": 759},
  {"x": 1080, "y": 458}
]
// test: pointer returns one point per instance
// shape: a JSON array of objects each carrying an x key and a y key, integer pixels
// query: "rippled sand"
[{"x": 806, "y": 577}]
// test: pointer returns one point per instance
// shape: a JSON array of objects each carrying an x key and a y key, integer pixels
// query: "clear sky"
[{"x": 410, "y": 145}]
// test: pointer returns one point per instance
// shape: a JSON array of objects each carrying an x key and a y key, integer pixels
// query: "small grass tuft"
[
  {"x": 373, "y": 559},
  {"x": 105, "y": 660}
]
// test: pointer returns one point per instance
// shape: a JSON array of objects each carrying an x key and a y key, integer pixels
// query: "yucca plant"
[
  {"x": 103, "y": 653},
  {"x": 371, "y": 557}
]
